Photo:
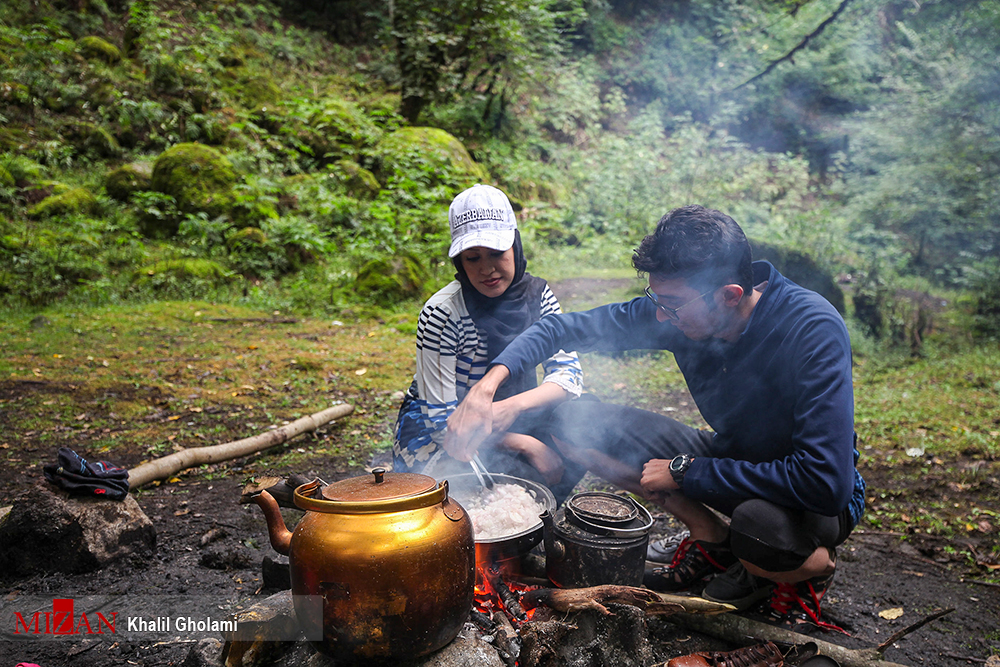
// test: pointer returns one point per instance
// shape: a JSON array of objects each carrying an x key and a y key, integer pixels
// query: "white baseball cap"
[{"x": 481, "y": 216}]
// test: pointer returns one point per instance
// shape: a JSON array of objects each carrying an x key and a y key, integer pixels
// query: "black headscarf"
[{"x": 504, "y": 317}]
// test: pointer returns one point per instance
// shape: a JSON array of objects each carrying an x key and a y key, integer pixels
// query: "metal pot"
[
  {"x": 497, "y": 549},
  {"x": 392, "y": 557},
  {"x": 597, "y": 538}
]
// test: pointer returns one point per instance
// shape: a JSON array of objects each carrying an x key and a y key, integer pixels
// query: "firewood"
[
  {"x": 737, "y": 630},
  {"x": 595, "y": 597},
  {"x": 167, "y": 466},
  {"x": 506, "y": 639},
  {"x": 507, "y": 597}
]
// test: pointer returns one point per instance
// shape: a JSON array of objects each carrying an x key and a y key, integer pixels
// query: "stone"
[
  {"x": 426, "y": 155},
  {"x": 361, "y": 184},
  {"x": 206, "y": 653},
  {"x": 198, "y": 177},
  {"x": 95, "y": 48},
  {"x": 264, "y": 632},
  {"x": 275, "y": 574},
  {"x": 392, "y": 279},
  {"x": 76, "y": 200},
  {"x": 127, "y": 179},
  {"x": 582, "y": 640},
  {"x": 48, "y": 530}
]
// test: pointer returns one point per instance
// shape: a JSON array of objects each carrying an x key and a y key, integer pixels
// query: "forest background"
[{"x": 160, "y": 159}]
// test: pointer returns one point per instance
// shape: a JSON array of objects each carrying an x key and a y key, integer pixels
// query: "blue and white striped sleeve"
[{"x": 562, "y": 368}]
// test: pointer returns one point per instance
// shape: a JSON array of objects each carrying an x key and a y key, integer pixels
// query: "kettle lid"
[{"x": 380, "y": 485}]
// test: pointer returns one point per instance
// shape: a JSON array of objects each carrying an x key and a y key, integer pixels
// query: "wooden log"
[
  {"x": 167, "y": 466},
  {"x": 595, "y": 597},
  {"x": 737, "y": 630}
]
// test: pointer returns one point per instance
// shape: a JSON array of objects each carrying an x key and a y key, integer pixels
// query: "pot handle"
[{"x": 451, "y": 508}]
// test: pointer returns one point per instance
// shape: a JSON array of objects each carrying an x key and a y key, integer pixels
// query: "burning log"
[
  {"x": 508, "y": 598},
  {"x": 505, "y": 639},
  {"x": 595, "y": 597}
]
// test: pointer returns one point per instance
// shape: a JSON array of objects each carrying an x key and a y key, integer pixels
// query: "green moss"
[
  {"x": 6, "y": 179},
  {"x": 361, "y": 184},
  {"x": 95, "y": 48},
  {"x": 387, "y": 281},
  {"x": 23, "y": 170},
  {"x": 248, "y": 237},
  {"x": 182, "y": 270},
  {"x": 77, "y": 200},
  {"x": 426, "y": 154},
  {"x": 199, "y": 178},
  {"x": 120, "y": 183}
]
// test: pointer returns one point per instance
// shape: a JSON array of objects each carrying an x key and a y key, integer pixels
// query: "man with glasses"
[{"x": 768, "y": 364}]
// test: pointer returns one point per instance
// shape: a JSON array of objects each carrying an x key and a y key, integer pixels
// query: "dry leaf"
[
  {"x": 174, "y": 418},
  {"x": 361, "y": 371},
  {"x": 891, "y": 614},
  {"x": 181, "y": 512}
]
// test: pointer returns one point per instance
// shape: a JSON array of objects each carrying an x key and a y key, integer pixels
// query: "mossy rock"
[
  {"x": 361, "y": 184},
  {"x": 183, "y": 270},
  {"x": 802, "y": 269},
  {"x": 337, "y": 131},
  {"x": 101, "y": 94},
  {"x": 257, "y": 90},
  {"x": 92, "y": 138},
  {"x": 387, "y": 281},
  {"x": 6, "y": 179},
  {"x": 120, "y": 183},
  {"x": 248, "y": 238},
  {"x": 198, "y": 177},
  {"x": 95, "y": 48},
  {"x": 423, "y": 153},
  {"x": 77, "y": 200},
  {"x": 556, "y": 236}
]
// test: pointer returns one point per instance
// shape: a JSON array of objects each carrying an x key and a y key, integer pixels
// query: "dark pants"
[{"x": 774, "y": 538}]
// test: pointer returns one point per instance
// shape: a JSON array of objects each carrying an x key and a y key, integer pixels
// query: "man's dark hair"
[{"x": 704, "y": 246}]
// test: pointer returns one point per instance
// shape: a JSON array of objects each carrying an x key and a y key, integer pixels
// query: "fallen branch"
[
  {"x": 595, "y": 597},
  {"x": 167, "y": 466},
  {"x": 896, "y": 636},
  {"x": 737, "y": 629}
]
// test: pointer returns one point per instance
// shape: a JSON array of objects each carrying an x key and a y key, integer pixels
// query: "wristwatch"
[{"x": 679, "y": 466}]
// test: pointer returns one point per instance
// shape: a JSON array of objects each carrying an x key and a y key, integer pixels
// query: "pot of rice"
[{"x": 507, "y": 519}]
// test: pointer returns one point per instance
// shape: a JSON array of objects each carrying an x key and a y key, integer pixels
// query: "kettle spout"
[
  {"x": 547, "y": 521},
  {"x": 281, "y": 537}
]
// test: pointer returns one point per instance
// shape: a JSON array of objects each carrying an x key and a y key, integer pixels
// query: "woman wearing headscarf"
[{"x": 461, "y": 329}]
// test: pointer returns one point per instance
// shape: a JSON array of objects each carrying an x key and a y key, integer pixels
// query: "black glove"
[{"x": 75, "y": 475}]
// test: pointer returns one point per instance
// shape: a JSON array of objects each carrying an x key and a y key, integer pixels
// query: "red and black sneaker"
[
  {"x": 797, "y": 606},
  {"x": 693, "y": 561}
]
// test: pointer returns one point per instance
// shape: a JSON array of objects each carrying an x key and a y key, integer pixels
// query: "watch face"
[{"x": 676, "y": 463}]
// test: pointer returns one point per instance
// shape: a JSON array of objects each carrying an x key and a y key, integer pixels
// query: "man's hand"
[
  {"x": 656, "y": 478},
  {"x": 472, "y": 421}
]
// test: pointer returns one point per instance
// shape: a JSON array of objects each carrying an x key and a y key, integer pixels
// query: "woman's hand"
[
  {"x": 656, "y": 478},
  {"x": 472, "y": 421}
]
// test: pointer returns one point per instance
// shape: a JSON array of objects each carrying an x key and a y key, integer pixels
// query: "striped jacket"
[{"x": 451, "y": 358}]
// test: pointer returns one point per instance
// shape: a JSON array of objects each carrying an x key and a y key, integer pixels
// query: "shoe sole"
[{"x": 744, "y": 603}]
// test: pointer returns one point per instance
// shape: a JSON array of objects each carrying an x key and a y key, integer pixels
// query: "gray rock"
[
  {"x": 48, "y": 530},
  {"x": 267, "y": 630},
  {"x": 206, "y": 653}
]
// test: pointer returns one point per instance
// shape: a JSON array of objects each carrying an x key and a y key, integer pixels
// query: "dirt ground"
[{"x": 885, "y": 581}]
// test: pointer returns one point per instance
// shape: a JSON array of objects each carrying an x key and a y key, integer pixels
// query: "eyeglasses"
[{"x": 672, "y": 312}]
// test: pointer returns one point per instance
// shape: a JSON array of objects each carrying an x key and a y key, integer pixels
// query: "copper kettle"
[{"x": 392, "y": 556}]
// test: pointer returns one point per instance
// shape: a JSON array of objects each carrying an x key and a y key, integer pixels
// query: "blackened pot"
[{"x": 596, "y": 539}]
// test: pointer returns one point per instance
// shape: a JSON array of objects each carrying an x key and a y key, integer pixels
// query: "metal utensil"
[{"x": 482, "y": 474}]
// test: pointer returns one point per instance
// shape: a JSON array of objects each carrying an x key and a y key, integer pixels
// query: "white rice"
[{"x": 507, "y": 509}]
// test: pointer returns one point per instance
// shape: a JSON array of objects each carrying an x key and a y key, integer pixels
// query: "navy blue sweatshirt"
[{"x": 780, "y": 399}]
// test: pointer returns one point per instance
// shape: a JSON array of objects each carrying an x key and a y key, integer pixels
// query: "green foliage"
[
  {"x": 802, "y": 269},
  {"x": 184, "y": 274},
  {"x": 986, "y": 310}
]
